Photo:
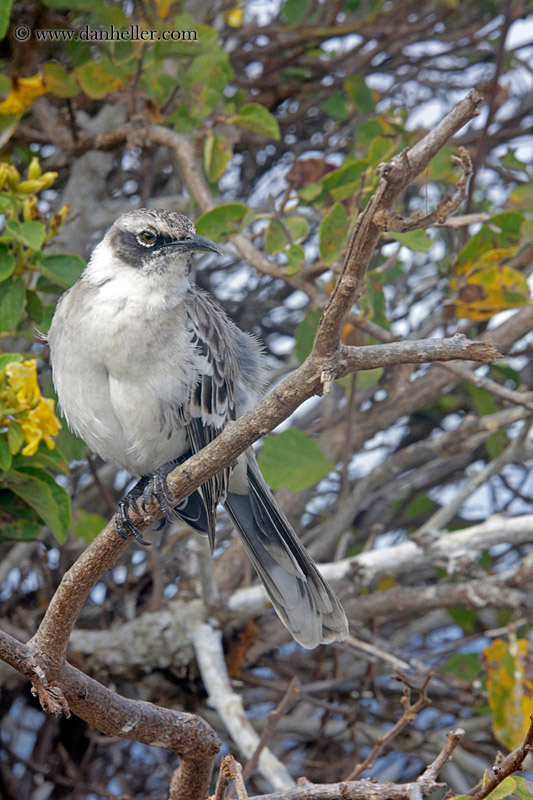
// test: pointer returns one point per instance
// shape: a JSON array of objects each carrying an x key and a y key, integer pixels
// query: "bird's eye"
[{"x": 147, "y": 237}]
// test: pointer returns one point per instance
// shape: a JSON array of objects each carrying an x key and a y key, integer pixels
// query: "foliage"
[
  {"x": 510, "y": 688},
  {"x": 29, "y": 496}
]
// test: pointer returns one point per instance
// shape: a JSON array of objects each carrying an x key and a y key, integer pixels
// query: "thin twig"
[
  {"x": 502, "y": 392},
  {"x": 410, "y": 710},
  {"x": 273, "y": 717},
  {"x": 429, "y": 776}
]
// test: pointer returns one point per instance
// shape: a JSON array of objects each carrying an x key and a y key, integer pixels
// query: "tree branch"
[
  {"x": 208, "y": 647},
  {"x": 187, "y": 735}
]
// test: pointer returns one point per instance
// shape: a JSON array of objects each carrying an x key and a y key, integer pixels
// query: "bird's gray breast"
[{"x": 123, "y": 377}]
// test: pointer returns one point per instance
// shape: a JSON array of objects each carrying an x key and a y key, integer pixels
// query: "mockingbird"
[{"x": 148, "y": 370}]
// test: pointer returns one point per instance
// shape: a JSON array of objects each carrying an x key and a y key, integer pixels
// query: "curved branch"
[{"x": 192, "y": 739}]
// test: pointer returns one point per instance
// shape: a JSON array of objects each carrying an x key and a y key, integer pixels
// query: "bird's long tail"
[{"x": 302, "y": 598}]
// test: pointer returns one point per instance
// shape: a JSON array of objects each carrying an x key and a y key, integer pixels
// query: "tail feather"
[{"x": 302, "y": 598}]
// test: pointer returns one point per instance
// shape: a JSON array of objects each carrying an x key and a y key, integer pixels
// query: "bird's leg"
[
  {"x": 154, "y": 484},
  {"x": 157, "y": 486},
  {"x": 125, "y": 526}
]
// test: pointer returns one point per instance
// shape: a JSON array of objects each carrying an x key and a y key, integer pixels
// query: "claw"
[
  {"x": 153, "y": 485},
  {"x": 125, "y": 526}
]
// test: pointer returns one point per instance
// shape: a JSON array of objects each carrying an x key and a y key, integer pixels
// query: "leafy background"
[{"x": 289, "y": 107}]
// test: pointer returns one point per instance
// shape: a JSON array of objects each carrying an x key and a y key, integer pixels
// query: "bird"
[{"x": 148, "y": 370}]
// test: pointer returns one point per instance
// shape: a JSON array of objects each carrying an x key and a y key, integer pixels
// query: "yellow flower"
[
  {"x": 22, "y": 94},
  {"x": 40, "y": 423},
  {"x": 22, "y": 378}
]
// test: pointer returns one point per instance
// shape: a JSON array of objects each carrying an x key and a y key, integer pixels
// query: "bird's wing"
[{"x": 212, "y": 400}]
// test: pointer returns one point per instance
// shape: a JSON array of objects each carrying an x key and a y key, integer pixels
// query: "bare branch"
[
  {"x": 405, "y": 557},
  {"x": 185, "y": 734},
  {"x": 290, "y": 697},
  {"x": 208, "y": 647},
  {"x": 505, "y": 767},
  {"x": 395, "y": 176},
  {"x": 410, "y": 710},
  {"x": 432, "y": 771},
  {"x": 502, "y": 392}
]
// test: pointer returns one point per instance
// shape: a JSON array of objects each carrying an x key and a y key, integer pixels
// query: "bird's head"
[
  {"x": 151, "y": 239},
  {"x": 148, "y": 247}
]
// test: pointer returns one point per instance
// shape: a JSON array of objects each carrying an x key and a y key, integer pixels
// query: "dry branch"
[
  {"x": 511, "y": 763},
  {"x": 210, "y": 656},
  {"x": 410, "y": 710},
  {"x": 185, "y": 734},
  {"x": 404, "y": 558}
]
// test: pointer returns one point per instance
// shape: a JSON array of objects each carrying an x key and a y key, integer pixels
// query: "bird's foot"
[
  {"x": 125, "y": 526},
  {"x": 150, "y": 485}
]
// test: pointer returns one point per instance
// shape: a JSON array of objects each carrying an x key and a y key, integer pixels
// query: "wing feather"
[{"x": 212, "y": 398}]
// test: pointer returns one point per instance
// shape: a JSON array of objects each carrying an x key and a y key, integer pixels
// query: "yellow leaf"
[
  {"x": 22, "y": 93},
  {"x": 488, "y": 286},
  {"x": 510, "y": 688}
]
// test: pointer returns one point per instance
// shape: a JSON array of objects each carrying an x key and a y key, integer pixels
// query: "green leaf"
[
  {"x": 5, "y": 11},
  {"x": 414, "y": 240},
  {"x": 332, "y": 234},
  {"x": 61, "y": 270},
  {"x": 305, "y": 334},
  {"x": 224, "y": 221},
  {"x": 7, "y": 263},
  {"x": 34, "y": 307},
  {"x": 182, "y": 120},
  {"x": 501, "y": 231},
  {"x": 524, "y": 788},
  {"x": 522, "y": 196},
  {"x": 464, "y": 617},
  {"x": 19, "y": 530},
  {"x": 43, "y": 457},
  {"x": 526, "y": 231},
  {"x": 275, "y": 238},
  {"x": 512, "y": 162},
  {"x": 98, "y": 78},
  {"x": 381, "y": 148},
  {"x": 344, "y": 182},
  {"x": 59, "y": 82},
  {"x": 40, "y": 491},
  {"x": 5, "y": 454},
  {"x": 504, "y": 789},
  {"x": 255, "y": 117},
  {"x": 483, "y": 401},
  {"x": 205, "y": 80},
  {"x": 31, "y": 234},
  {"x": 298, "y": 227},
  {"x": 294, "y": 11},
  {"x": 292, "y": 460},
  {"x": 12, "y": 299},
  {"x": 187, "y": 45},
  {"x": 88, "y": 526},
  {"x": 465, "y": 666},
  {"x": 335, "y": 106},
  {"x": 368, "y": 377},
  {"x": 359, "y": 93},
  {"x": 310, "y": 192},
  {"x": 217, "y": 154},
  {"x": 296, "y": 255},
  {"x": 7, "y": 358}
]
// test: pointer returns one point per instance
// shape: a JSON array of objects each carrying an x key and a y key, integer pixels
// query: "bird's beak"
[{"x": 195, "y": 242}]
